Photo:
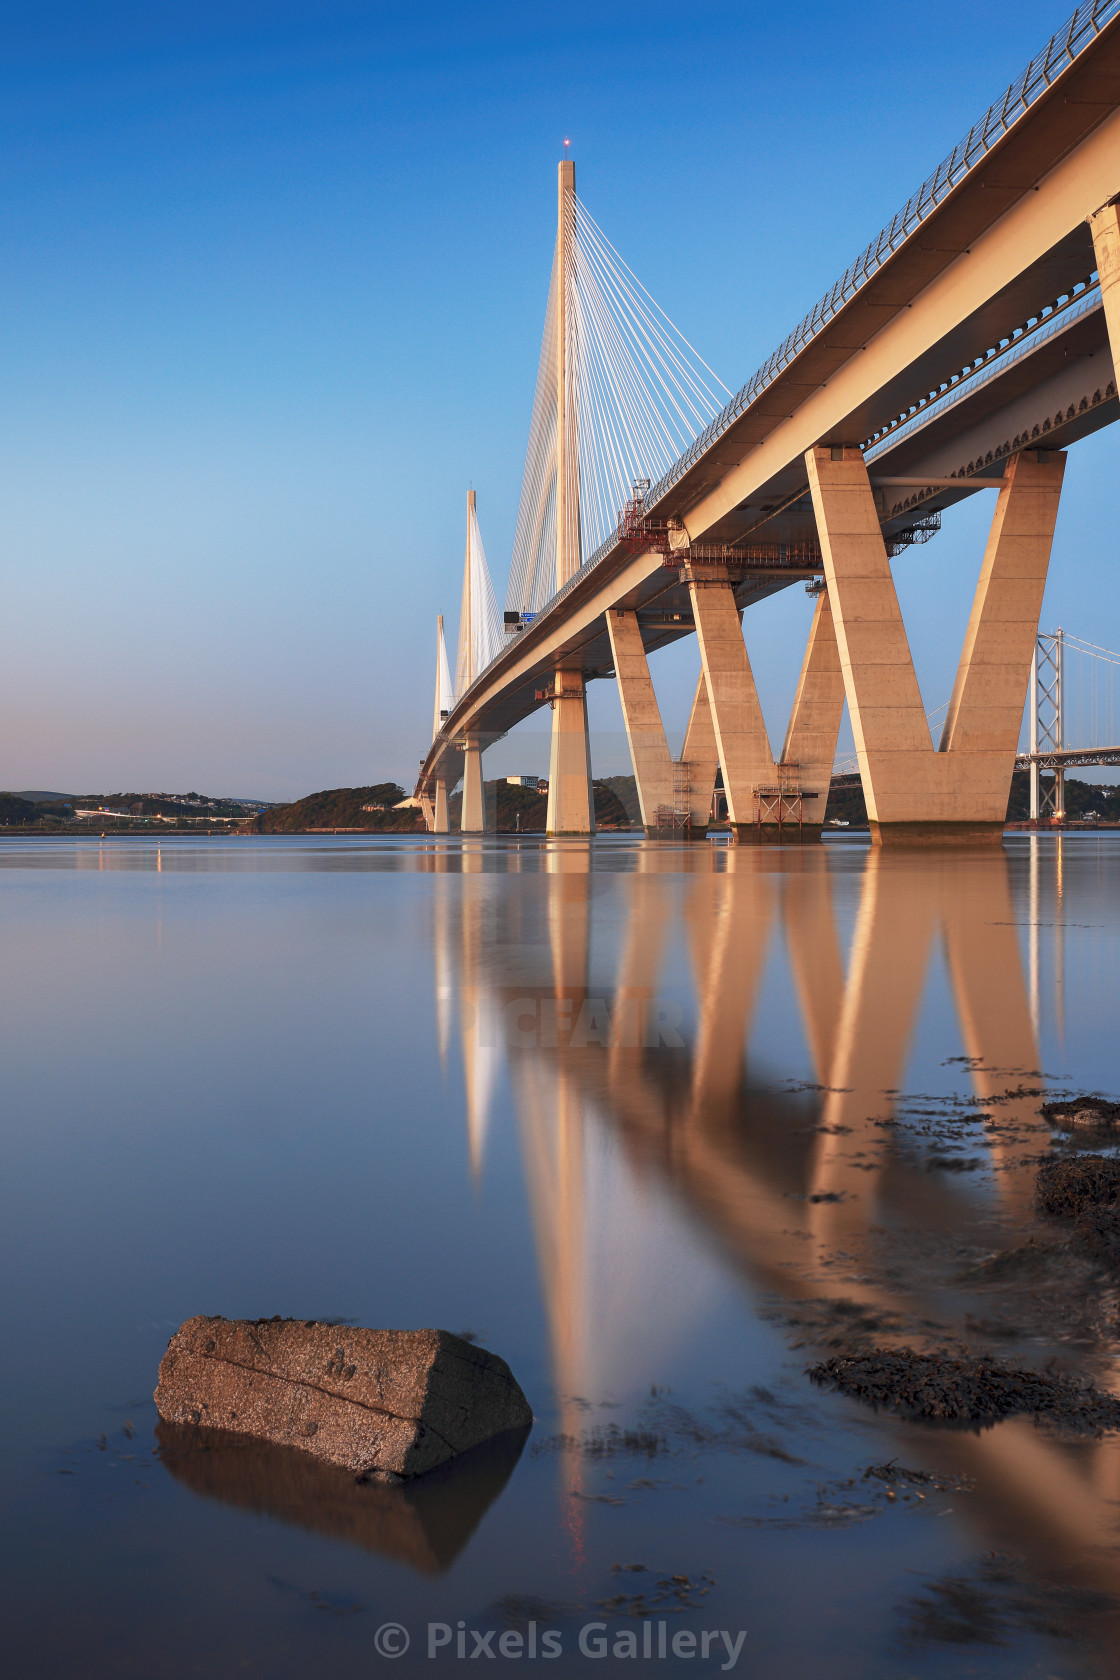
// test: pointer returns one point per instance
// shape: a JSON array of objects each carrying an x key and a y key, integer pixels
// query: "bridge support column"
[
  {"x": 645, "y": 733},
  {"x": 1105, "y": 226},
  {"x": 916, "y": 795},
  {"x": 473, "y": 817},
  {"x": 571, "y": 800},
  {"x": 768, "y": 801},
  {"x": 440, "y": 820},
  {"x": 737, "y": 721},
  {"x": 700, "y": 758},
  {"x": 814, "y": 723}
]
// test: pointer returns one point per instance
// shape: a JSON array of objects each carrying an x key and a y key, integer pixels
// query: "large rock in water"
[{"x": 394, "y": 1401}]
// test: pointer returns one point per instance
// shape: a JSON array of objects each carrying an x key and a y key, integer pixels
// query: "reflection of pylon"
[
  {"x": 551, "y": 1122},
  {"x": 479, "y": 1024},
  {"x": 444, "y": 975}
]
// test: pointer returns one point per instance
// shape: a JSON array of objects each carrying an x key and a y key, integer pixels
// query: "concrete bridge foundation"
[
  {"x": 768, "y": 801},
  {"x": 809, "y": 750},
  {"x": 917, "y": 795},
  {"x": 473, "y": 817},
  {"x": 700, "y": 760},
  {"x": 742, "y": 744},
  {"x": 571, "y": 800},
  {"x": 645, "y": 732},
  {"x": 675, "y": 795}
]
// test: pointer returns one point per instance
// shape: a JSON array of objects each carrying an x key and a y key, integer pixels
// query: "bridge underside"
[{"x": 972, "y": 358}]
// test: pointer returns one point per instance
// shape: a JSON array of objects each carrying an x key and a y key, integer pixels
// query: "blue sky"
[{"x": 271, "y": 299}]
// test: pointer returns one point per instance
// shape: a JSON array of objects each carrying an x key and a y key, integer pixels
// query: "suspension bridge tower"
[{"x": 571, "y": 802}]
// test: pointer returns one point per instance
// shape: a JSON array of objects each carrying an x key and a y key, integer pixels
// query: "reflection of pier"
[{"x": 659, "y": 1150}]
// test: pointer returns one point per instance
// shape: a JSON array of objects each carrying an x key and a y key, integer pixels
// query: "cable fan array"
[
  {"x": 638, "y": 393},
  {"x": 1090, "y": 716},
  {"x": 445, "y": 694}
]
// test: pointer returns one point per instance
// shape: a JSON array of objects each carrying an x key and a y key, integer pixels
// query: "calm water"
[{"x": 662, "y": 1126}]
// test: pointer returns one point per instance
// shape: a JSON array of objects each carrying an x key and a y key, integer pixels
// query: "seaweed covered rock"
[
  {"x": 963, "y": 1390},
  {"x": 1085, "y": 1114},
  {"x": 1065, "y": 1188},
  {"x": 1085, "y": 1190},
  {"x": 1098, "y": 1235}
]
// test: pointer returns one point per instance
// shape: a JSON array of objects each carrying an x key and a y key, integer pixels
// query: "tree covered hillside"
[{"x": 340, "y": 808}]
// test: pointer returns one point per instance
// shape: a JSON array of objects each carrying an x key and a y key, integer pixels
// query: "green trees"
[{"x": 341, "y": 808}]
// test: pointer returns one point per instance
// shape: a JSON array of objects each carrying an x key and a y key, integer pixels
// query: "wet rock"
[
  {"x": 1066, "y": 1187},
  {"x": 1093, "y": 1114},
  {"x": 1097, "y": 1235},
  {"x": 960, "y": 1389},
  {"x": 1086, "y": 1190},
  {"x": 376, "y": 1402}
]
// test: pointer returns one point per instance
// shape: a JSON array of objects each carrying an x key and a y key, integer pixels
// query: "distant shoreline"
[{"x": 164, "y": 833}]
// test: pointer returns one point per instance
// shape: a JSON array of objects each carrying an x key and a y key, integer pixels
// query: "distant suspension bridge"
[{"x": 1074, "y": 721}]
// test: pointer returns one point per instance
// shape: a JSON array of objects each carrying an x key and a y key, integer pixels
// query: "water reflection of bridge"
[{"x": 636, "y": 1120}]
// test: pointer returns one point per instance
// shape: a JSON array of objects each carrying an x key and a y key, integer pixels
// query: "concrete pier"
[
  {"x": 645, "y": 732},
  {"x": 737, "y": 722},
  {"x": 571, "y": 807},
  {"x": 700, "y": 759},
  {"x": 809, "y": 751},
  {"x": 473, "y": 817},
  {"x": 958, "y": 794}
]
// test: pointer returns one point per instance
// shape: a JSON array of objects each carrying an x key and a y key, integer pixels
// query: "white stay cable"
[{"x": 639, "y": 393}]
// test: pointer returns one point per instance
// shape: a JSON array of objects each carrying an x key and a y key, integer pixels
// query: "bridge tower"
[
  {"x": 571, "y": 802},
  {"x": 444, "y": 700},
  {"x": 472, "y": 819}
]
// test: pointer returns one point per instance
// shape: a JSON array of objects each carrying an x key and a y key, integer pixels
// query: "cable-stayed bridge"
[{"x": 971, "y": 343}]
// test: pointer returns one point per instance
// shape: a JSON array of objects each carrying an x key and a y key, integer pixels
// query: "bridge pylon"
[
  {"x": 571, "y": 800},
  {"x": 435, "y": 812},
  {"x": 479, "y": 639}
]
